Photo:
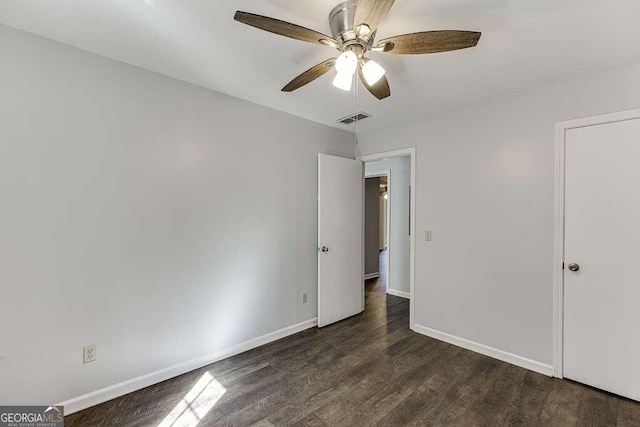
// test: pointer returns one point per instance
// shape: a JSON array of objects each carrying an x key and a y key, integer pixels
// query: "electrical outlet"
[
  {"x": 89, "y": 354},
  {"x": 304, "y": 298}
]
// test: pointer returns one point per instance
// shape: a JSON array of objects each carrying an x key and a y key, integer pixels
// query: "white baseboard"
[
  {"x": 400, "y": 294},
  {"x": 99, "y": 396},
  {"x": 371, "y": 276},
  {"x": 514, "y": 359}
]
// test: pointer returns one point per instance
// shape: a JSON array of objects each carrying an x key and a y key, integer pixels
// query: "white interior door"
[
  {"x": 602, "y": 239},
  {"x": 340, "y": 238}
]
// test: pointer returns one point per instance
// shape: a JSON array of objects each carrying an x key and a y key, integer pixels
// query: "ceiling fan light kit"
[
  {"x": 347, "y": 63},
  {"x": 346, "y": 66},
  {"x": 372, "y": 72},
  {"x": 343, "y": 81},
  {"x": 354, "y": 24}
]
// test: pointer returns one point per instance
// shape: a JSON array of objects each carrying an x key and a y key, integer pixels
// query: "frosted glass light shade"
[
  {"x": 347, "y": 63},
  {"x": 343, "y": 81},
  {"x": 373, "y": 72}
]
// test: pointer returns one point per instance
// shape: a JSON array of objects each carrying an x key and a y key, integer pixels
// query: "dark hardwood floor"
[{"x": 367, "y": 370}]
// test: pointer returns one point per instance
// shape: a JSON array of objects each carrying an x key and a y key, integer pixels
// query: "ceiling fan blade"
[
  {"x": 381, "y": 89},
  {"x": 372, "y": 12},
  {"x": 310, "y": 75},
  {"x": 284, "y": 28},
  {"x": 429, "y": 42}
]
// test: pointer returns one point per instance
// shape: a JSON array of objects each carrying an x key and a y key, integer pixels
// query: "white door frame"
[
  {"x": 410, "y": 151},
  {"x": 558, "y": 254},
  {"x": 386, "y": 174}
]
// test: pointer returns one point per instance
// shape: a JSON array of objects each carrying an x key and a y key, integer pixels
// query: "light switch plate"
[{"x": 428, "y": 235}]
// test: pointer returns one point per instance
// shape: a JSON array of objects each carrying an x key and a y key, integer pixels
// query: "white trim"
[
  {"x": 99, "y": 396},
  {"x": 558, "y": 238},
  {"x": 386, "y": 174},
  {"x": 410, "y": 151},
  {"x": 399, "y": 293},
  {"x": 362, "y": 246},
  {"x": 558, "y": 254},
  {"x": 514, "y": 359},
  {"x": 389, "y": 215},
  {"x": 371, "y": 276},
  {"x": 377, "y": 174}
]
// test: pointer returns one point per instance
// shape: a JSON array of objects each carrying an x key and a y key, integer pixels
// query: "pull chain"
[{"x": 355, "y": 104}]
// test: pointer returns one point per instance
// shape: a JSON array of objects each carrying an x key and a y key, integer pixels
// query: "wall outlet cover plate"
[{"x": 89, "y": 354}]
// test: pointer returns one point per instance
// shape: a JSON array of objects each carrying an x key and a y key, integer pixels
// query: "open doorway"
[
  {"x": 389, "y": 223},
  {"x": 342, "y": 292},
  {"x": 376, "y": 234}
]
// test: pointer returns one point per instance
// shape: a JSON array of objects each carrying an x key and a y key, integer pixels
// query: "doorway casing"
[{"x": 404, "y": 152}]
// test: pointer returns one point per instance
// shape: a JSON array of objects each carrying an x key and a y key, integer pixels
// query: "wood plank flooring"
[{"x": 367, "y": 370}]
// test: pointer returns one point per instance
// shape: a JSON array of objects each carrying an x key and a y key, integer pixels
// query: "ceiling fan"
[{"x": 353, "y": 26}]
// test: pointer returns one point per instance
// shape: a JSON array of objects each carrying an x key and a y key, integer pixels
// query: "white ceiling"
[{"x": 525, "y": 43}]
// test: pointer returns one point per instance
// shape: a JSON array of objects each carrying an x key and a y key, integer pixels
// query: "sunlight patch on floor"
[{"x": 196, "y": 404}]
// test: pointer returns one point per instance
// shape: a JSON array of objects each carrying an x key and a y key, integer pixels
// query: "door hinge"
[{"x": 563, "y": 265}]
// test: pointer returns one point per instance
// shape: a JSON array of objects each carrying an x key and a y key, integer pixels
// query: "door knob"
[
  {"x": 574, "y": 267},
  {"x": 325, "y": 249}
]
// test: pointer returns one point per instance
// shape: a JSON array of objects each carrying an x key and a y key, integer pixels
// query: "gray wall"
[
  {"x": 399, "y": 239},
  {"x": 371, "y": 225},
  {"x": 485, "y": 186},
  {"x": 130, "y": 218}
]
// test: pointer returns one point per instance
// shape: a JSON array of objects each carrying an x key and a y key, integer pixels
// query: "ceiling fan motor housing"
[{"x": 341, "y": 20}]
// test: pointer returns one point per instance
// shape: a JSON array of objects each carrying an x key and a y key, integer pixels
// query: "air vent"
[{"x": 354, "y": 118}]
